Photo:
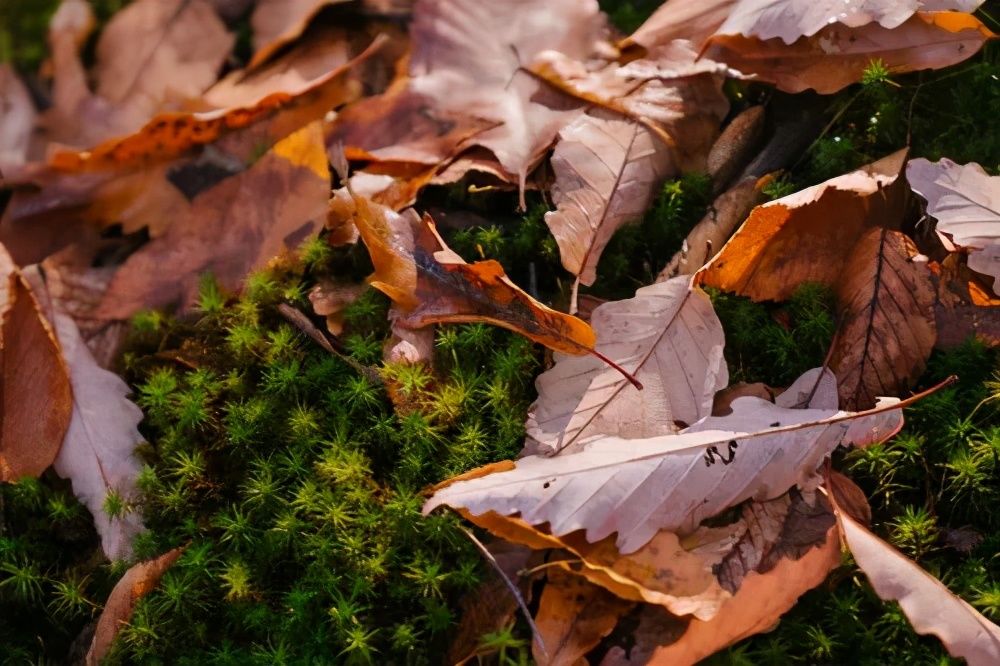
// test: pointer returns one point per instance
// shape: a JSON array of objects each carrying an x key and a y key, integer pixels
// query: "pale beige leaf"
[
  {"x": 966, "y": 202},
  {"x": 930, "y": 606},
  {"x": 886, "y": 302},
  {"x": 98, "y": 451},
  {"x": 640, "y": 486},
  {"x": 669, "y": 337},
  {"x": 608, "y": 169}
]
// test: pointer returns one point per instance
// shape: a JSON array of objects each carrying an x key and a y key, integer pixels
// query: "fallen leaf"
[
  {"x": 668, "y": 337},
  {"x": 431, "y": 284},
  {"x": 18, "y": 118},
  {"x": 36, "y": 399},
  {"x": 838, "y": 56},
  {"x": 755, "y": 608},
  {"x": 930, "y": 606},
  {"x": 636, "y": 487},
  {"x": 965, "y": 200},
  {"x": 321, "y": 51},
  {"x": 230, "y": 230},
  {"x": 573, "y": 616},
  {"x": 807, "y": 236},
  {"x": 97, "y": 453},
  {"x": 277, "y": 23},
  {"x": 158, "y": 53},
  {"x": 137, "y": 582},
  {"x": 607, "y": 171},
  {"x": 964, "y": 309},
  {"x": 886, "y": 311}
]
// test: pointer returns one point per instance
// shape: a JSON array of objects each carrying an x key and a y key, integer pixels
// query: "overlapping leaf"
[
  {"x": 966, "y": 202},
  {"x": 637, "y": 487},
  {"x": 668, "y": 337}
]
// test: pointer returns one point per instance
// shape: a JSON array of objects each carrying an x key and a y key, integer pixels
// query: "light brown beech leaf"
[
  {"x": 887, "y": 330},
  {"x": 98, "y": 452},
  {"x": 807, "y": 236},
  {"x": 138, "y": 581},
  {"x": 930, "y": 606},
  {"x": 607, "y": 170},
  {"x": 36, "y": 398},
  {"x": 965, "y": 200},
  {"x": 637, "y": 487},
  {"x": 668, "y": 337},
  {"x": 230, "y": 230},
  {"x": 573, "y": 616}
]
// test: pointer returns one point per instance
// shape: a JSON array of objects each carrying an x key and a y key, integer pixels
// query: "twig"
[
  {"x": 510, "y": 586},
  {"x": 303, "y": 323}
]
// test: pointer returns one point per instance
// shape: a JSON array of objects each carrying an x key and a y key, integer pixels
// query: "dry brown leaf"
[
  {"x": 123, "y": 181},
  {"x": 821, "y": 45},
  {"x": 964, "y": 308},
  {"x": 806, "y": 236},
  {"x": 97, "y": 453},
  {"x": 759, "y": 603},
  {"x": 887, "y": 328},
  {"x": 607, "y": 171},
  {"x": 277, "y": 23},
  {"x": 18, "y": 118},
  {"x": 137, "y": 582},
  {"x": 838, "y": 56},
  {"x": 34, "y": 375},
  {"x": 966, "y": 202},
  {"x": 317, "y": 53},
  {"x": 233, "y": 228},
  {"x": 668, "y": 337},
  {"x": 573, "y": 616},
  {"x": 431, "y": 284},
  {"x": 930, "y": 606},
  {"x": 671, "y": 482},
  {"x": 158, "y": 53}
]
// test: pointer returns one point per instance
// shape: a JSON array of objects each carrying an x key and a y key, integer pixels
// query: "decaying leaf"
[
  {"x": 965, "y": 307},
  {"x": 930, "y": 606},
  {"x": 329, "y": 299},
  {"x": 966, "y": 202},
  {"x": 806, "y": 236},
  {"x": 233, "y": 228},
  {"x": 34, "y": 375},
  {"x": 886, "y": 301},
  {"x": 137, "y": 582},
  {"x": 637, "y": 487},
  {"x": 97, "y": 454},
  {"x": 573, "y": 616},
  {"x": 431, "y": 284},
  {"x": 668, "y": 337}
]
